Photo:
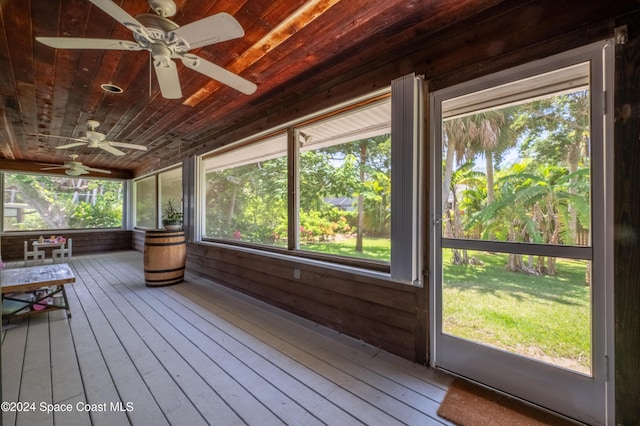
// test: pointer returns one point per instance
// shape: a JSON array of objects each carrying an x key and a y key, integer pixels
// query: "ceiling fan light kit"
[
  {"x": 73, "y": 167},
  {"x": 166, "y": 41}
]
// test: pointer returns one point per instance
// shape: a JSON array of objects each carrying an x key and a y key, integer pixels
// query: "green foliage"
[
  {"x": 249, "y": 202},
  {"x": 55, "y": 202},
  {"x": 171, "y": 215},
  {"x": 536, "y": 189},
  {"x": 319, "y": 226},
  {"x": 104, "y": 213}
]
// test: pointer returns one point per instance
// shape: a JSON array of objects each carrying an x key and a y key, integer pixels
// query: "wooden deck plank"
[
  {"x": 13, "y": 348},
  {"x": 35, "y": 385},
  {"x": 66, "y": 381},
  {"x": 289, "y": 372},
  {"x": 391, "y": 409},
  {"x": 172, "y": 351},
  {"x": 131, "y": 386},
  {"x": 258, "y": 399},
  {"x": 397, "y": 406},
  {"x": 98, "y": 383},
  {"x": 200, "y": 353},
  {"x": 171, "y": 400},
  {"x": 359, "y": 361}
]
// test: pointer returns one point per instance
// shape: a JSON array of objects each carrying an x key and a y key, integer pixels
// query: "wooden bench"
[{"x": 35, "y": 290}]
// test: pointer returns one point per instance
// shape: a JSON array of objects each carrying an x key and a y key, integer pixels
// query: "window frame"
[
  {"x": 156, "y": 176},
  {"x": 412, "y": 271},
  {"x": 125, "y": 203}
]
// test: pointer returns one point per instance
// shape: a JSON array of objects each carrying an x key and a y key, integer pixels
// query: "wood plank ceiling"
[{"x": 290, "y": 49}]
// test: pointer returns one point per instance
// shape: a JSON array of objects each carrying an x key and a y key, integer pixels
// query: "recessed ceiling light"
[{"x": 111, "y": 88}]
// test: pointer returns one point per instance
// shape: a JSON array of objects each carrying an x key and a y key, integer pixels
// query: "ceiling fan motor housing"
[{"x": 163, "y": 7}]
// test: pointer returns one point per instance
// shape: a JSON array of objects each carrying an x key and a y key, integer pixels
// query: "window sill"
[{"x": 362, "y": 268}]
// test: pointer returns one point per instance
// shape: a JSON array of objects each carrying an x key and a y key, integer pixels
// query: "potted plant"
[{"x": 171, "y": 218}]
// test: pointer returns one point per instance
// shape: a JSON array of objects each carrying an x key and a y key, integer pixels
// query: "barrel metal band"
[
  {"x": 164, "y": 244},
  {"x": 162, "y": 271}
]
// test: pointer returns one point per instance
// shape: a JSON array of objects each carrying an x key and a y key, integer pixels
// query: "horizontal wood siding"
[
  {"x": 137, "y": 240},
  {"x": 83, "y": 242},
  {"x": 377, "y": 311}
]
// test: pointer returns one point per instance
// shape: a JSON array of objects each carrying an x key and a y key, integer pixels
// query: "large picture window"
[
  {"x": 334, "y": 205},
  {"x": 42, "y": 202},
  {"x": 322, "y": 188}
]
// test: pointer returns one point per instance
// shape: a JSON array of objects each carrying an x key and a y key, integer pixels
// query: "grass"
[
  {"x": 373, "y": 248},
  {"x": 543, "y": 317}
]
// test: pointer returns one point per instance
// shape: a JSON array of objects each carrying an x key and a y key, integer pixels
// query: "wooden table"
[{"x": 43, "y": 282}]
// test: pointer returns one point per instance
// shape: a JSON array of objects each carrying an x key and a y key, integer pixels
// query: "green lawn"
[
  {"x": 373, "y": 248},
  {"x": 542, "y": 317}
]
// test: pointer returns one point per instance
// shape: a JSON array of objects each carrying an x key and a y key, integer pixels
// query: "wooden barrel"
[{"x": 165, "y": 254}]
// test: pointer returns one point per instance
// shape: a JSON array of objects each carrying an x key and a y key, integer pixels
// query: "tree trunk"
[
  {"x": 448, "y": 173},
  {"x": 489, "y": 165},
  {"x": 360, "y": 232},
  {"x": 49, "y": 212}
]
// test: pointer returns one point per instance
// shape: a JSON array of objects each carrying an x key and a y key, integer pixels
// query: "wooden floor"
[{"x": 198, "y": 353}]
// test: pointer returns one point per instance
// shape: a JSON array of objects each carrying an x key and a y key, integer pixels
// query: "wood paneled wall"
[
  {"x": 627, "y": 225},
  {"x": 83, "y": 242},
  {"x": 137, "y": 240}
]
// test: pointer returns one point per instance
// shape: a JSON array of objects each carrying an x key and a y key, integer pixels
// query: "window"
[
  {"x": 163, "y": 187},
  {"x": 246, "y": 193},
  {"x": 344, "y": 180},
  {"x": 336, "y": 203},
  {"x": 39, "y": 202},
  {"x": 345, "y": 183},
  {"x": 146, "y": 204},
  {"x": 170, "y": 185}
]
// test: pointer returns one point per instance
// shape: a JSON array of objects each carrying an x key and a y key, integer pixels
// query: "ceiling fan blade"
[
  {"x": 216, "y": 72},
  {"x": 54, "y": 168},
  {"x": 70, "y": 145},
  {"x": 111, "y": 150},
  {"x": 117, "y": 13},
  {"x": 167, "y": 74},
  {"x": 212, "y": 29},
  {"x": 127, "y": 145},
  {"x": 88, "y": 43},
  {"x": 58, "y": 137},
  {"x": 91, "y": 169}
]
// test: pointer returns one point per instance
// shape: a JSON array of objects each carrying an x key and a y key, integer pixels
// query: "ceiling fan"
[
  {"x": 166, "y": 41},
  {"x": 94, "y": 139},
  {"x": 73, "y": 167}
]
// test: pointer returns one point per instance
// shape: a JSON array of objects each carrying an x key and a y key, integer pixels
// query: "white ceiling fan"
[
  {"x": 73, "y": 167},
  {"x": 93, "y": 139},
  {"x": 166, "y": 41}
]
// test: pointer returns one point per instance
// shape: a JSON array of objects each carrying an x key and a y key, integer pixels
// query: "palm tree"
[
  {"x": 486, "y": 133},
  {"x": 557, "y": 131},
  {"x": 462, "y": 179}
]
